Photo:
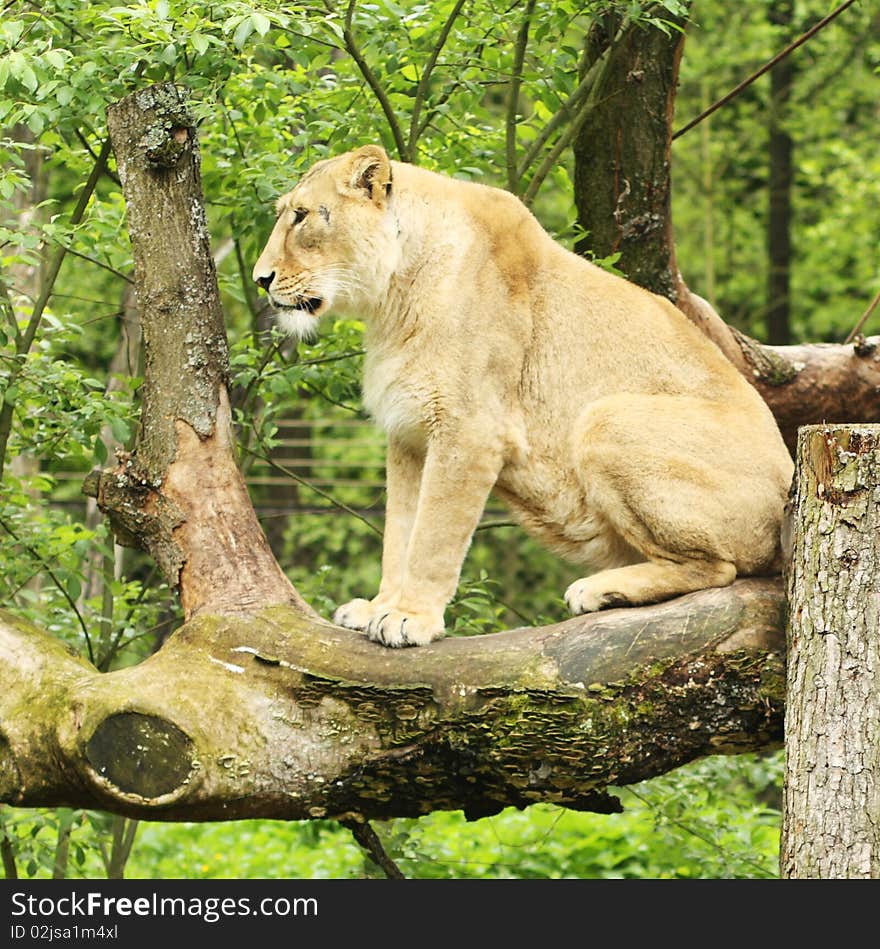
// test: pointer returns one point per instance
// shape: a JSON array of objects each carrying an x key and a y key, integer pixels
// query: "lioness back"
[{"x": 498, "y": 360}]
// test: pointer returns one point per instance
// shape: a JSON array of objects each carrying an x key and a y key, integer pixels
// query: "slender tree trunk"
[
  {"x": 25, "y": 280},
  {"x": 780, "y": 180},
  {"x": 831, "y": 825},
  {"x": 622, "y": 180},
  {"x": 124, "y": 832},
  {"x": 124, "y": 364},
  {"x": 181, "y": 494},
  {"x": 10, "y": 868},
  {"x": 62, "y": 847},
  {"x": 707, "y": 175}
]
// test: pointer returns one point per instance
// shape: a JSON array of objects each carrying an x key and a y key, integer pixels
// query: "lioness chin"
[{"x": 496, "y": 360}]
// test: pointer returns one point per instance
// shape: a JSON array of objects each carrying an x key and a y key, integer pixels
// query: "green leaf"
[
  {"x": 28, "y": 78},
  {"x": 36, "y": 123},
  {"x": 12, "y": 30},
  {"x": 243, "y": 31},
  {"x": 262, "y": 23},
  {"x": 73, "y": 586},
  {"x": 55, "y": 58},
  {"x": 200, "y": 42},
  {"x": 120, "y": 429}
]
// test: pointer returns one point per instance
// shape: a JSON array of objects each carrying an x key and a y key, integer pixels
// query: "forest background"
[{"x": 460, "y": 87}]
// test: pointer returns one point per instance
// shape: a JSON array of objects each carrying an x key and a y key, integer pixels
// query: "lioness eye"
[{"x": 299, "y": 214}]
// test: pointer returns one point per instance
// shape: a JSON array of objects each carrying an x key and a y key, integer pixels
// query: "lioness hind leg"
[
  {"x": 648, "y": 582},
  {"x": 671, "y": 476}
]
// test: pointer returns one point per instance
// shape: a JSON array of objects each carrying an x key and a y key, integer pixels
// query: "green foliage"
[
  {"x": 720, "y": 168},
  {"x": 60, "y": 409},
  {"x": 705, "y": 820},
  {"x": 63, "y": 842}
]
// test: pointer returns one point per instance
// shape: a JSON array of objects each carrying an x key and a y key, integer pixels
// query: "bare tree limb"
[{"x": 354, "y": 50}]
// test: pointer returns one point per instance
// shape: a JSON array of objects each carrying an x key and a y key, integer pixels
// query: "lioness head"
[{"x": 334, "y": 244}]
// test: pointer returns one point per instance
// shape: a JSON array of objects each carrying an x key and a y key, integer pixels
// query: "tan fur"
[{"x": 497, "y": 360}]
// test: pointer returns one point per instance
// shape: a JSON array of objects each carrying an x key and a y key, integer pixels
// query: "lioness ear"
[{"x": 370, "y": 172}]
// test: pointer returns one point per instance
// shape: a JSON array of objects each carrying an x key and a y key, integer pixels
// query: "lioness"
[{"x": 497, "y": 360}]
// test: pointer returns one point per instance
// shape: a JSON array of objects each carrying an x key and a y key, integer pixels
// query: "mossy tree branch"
[{"x": 277, "y": 714}]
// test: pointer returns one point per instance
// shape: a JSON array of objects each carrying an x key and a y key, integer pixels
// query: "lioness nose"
[{"x": 265, "y": 281}]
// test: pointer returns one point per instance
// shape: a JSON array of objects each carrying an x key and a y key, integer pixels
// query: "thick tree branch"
[
  {"x": 279, "y": 715},
  {"x": 810, "y": 383}
]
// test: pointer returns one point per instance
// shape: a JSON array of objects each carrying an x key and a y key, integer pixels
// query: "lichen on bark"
[{"x": 154, "y": 139}]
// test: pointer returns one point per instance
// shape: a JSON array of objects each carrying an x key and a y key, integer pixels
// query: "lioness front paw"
[
  {"x": 395, "y": 628},
  {"x": 588, "y": 596},
  {"x": 354, "y": 615}
]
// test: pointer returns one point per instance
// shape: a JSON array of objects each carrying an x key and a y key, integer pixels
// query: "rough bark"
[
  {"x": 622, "y": 185},
  {"x": 831, "y": 825},
  {"x": 180, "y": 494},
  {"x": 622, "y": 153},
  {"x": 276, "y": 714}
]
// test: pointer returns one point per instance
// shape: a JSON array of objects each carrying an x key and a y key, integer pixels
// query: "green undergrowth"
[{"x": 718, "y": 818}]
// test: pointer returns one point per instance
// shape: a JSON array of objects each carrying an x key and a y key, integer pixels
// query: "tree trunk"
[
  {"x": 21, "y": 283},
  {"x": 181, "y": 495},
  {"x": 621, "y": 179},
  {"x": 831, "y": 825},
  {"x": 622, "y": 185}
]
